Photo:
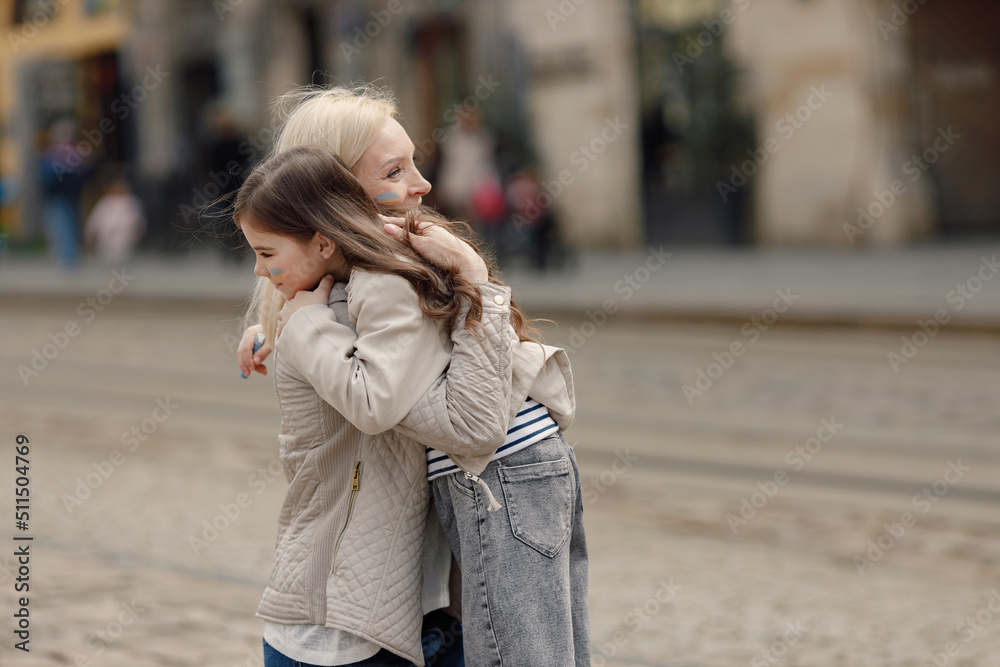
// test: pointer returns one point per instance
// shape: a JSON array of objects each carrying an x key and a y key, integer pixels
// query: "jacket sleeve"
[
  {"x": 374, "y": 376},
  {"x": 467, "y": 409},
  {"x": 396, "y": 368}
]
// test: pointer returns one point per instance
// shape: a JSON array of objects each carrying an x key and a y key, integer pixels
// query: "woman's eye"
[
  {"x": 264, "y": 255},
  {"x": 395, "y": 172}
]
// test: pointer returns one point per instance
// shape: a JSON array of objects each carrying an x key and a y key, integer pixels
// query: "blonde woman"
[{"x": 534, "y": 549}]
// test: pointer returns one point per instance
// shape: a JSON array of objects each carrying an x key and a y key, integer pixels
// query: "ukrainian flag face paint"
[{"x": 388, "y": 198}]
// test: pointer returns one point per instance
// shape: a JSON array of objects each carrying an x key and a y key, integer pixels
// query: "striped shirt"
[{"x": 532, "y": 423}]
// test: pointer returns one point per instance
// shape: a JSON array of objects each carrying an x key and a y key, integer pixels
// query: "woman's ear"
[{"x": 326, "y": 246}]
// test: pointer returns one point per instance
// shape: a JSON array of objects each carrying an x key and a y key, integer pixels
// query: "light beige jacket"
[{"x": 350, "y": 547}]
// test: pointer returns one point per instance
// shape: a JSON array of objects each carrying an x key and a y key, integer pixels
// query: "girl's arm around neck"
[{"x": 375, "y": 376}]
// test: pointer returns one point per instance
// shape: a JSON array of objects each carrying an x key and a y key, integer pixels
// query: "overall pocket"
[{"x": 539, "y": 501}]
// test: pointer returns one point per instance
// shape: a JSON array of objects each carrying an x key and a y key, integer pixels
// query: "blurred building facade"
[
  {"x": 60, "y": 60},
  {"x": 711, "y": 121},
  {"x": 900, "y": 145},
  {"x": 869, "y": 119}
]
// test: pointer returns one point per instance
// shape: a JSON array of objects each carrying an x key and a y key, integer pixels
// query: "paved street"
[
  {"x": 874, "y": 287},
  {"x": 801, "y": 503}
]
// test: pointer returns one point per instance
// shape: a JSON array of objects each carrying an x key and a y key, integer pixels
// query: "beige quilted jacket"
[{"x": 352, "y": 526}]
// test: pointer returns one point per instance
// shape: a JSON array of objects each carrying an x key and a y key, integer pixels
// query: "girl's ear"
[{"x": 326, "y": 246}]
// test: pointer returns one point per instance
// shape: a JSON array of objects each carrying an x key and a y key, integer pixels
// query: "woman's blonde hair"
[{"x": 346, "y": 120}]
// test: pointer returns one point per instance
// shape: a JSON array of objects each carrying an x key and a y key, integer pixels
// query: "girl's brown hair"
[{"x": 305, "y": 190}]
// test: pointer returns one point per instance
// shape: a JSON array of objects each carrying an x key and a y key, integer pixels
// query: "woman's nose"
[
  {"x": 421, "y": 187},
  {"x": 258, "y": 268}
]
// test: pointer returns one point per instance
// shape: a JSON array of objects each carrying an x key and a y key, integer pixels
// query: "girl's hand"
[
  {"x": 246, "y": 358},
  {"x": 303, "y": 298},
  {"x": 440, "y": 247}
]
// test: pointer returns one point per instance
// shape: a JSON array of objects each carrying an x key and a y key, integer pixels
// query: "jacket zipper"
[{"x": 355, "y": 485}]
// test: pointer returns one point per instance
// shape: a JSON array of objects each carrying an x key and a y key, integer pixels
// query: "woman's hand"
[
  {"x": 246, "y": 358},
  {"x": 303, "y": 298},
  {"x": 440, "y": 247}
]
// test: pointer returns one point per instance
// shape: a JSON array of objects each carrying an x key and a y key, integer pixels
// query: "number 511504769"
[{"x": 21, "y": 465}]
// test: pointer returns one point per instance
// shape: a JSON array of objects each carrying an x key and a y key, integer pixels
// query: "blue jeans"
[
  {"x": 524, "y": 567},
  {"x": 273, "y": 658},
  {"x": 442, "y": 640},
  {"x": 442, "y": 644},
  {"x": 61, "y": 229}
]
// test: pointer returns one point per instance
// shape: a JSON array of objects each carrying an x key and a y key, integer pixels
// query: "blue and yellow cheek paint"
[
  {"x": 274, "y": 272},
  {"x": 387, "y": 197}
]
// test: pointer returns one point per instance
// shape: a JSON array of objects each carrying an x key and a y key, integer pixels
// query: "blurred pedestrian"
[
  {"x": 8, "y": 191},
  {"x": 469, "y": 182},
  {"x": 116, "y": 224},
  {"x": 534, "y": 224},
  {"x": 63, "y": 171}
]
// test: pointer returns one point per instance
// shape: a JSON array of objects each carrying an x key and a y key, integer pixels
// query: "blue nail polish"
[{"x": 257, "y": 342}]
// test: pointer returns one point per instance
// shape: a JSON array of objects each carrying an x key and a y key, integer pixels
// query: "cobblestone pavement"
[{"x": 725, "y": 528}]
